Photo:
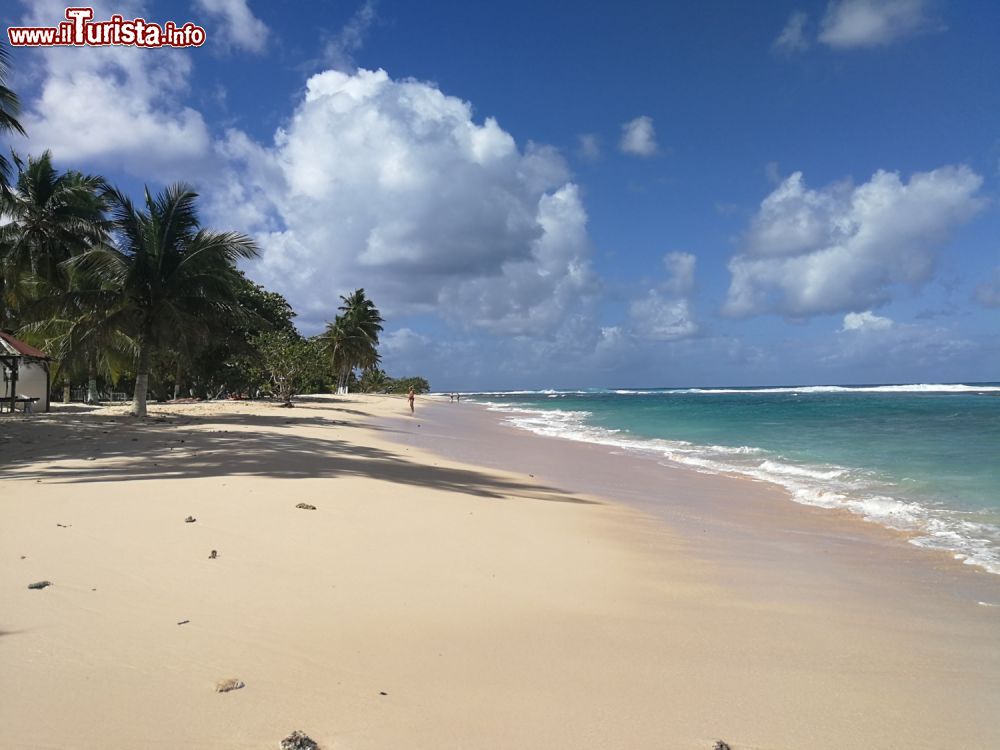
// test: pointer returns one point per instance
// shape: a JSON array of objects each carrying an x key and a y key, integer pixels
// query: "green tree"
[
  {"x": 351, "y": 340},
  {"x": 9, "y": 109},
  {"x": 230, "y": 362},
  {"x": 50, "y": 217},
  {"x": 374, "y": 380},
  {"x": 288, "y": 362},
  {"x": 175, "y": 278},
  {"x": 402, "y": 385}
]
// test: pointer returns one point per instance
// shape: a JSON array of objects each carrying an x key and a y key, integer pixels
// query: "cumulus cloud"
[
  {"x": 114, "y": 107},
  {"x": 639, "y": 137},
  {"x": 391, "y": 185},
  {"x": 841, "y": 248},
  {"x": 988, "y": 293},
  {"x": 870, "y": 23},
  {"x": 793, "y": 37},
  {"x": 664, "y": 312},
  {"x": 237, "y": 27}
]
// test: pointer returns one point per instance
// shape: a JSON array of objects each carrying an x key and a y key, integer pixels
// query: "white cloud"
[
  {"x": 639, "y": 137},
  {"x": 338, "y": 52},
  {"x": 664, "y": 313},
  {"x": 680, "y": 272},
  {"x": 793, "y": 38},
  {"x": 392, "y": 186},
  {"x": 237, "y": 26},
  {"x": 870, "y": 23},
  {"x": 114, "y": 107},
  {"x": 988, "y": 293},
  {"x": 865, "y": 321},
  {"x": 661, "y": 318},
  {"x": 842, "y": 248},
  {"x": 886, "y": 346},
  {"x": 589, "y": 148}
]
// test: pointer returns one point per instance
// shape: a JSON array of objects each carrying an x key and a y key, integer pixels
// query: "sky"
[{"x": 574, "y": 194}]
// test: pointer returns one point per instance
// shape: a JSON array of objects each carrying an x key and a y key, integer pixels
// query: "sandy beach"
[{"x": 456, "y": 585}]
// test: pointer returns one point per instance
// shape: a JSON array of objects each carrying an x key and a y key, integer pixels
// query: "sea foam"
[{"x": 824, "y": 486}]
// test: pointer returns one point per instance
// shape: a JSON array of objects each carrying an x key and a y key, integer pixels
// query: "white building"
[{"x": 24, "y": 372}]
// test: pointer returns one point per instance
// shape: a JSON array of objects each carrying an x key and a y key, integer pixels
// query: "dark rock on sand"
[
  {"x": 213, "y": 555},
  {"x": 306, "y": 506},
  {"x": 298, "y": 741},
  {"x": 190, "y": 519},
  {"x": 720, "y": 745},
  {"x": 39, "y": 584}
]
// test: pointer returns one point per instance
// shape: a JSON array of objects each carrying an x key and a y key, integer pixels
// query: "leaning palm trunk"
[
  {"x": 66, "y": 390},
  {"x": 141, "y": 380}
]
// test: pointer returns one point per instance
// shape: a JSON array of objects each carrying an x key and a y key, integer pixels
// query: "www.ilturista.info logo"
[{"x": 80, "y": 30}]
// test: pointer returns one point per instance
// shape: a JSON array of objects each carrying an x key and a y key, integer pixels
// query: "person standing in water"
[{"x": 410, "y": 395}]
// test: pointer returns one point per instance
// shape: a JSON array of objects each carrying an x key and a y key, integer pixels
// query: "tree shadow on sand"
[{"x": 103, "y": 448}]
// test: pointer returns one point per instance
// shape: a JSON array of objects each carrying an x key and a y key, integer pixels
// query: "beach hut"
[{"x": 25, "y": 374}]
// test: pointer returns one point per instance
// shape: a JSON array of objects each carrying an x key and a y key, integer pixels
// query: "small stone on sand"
[
  {"x": 298, "y": 741},
  {"x": 227, "y": 685},
  {"x": 306, "y": 506},
  {"x": 213, "y": 555},
  {"x": 720, "y": 745},
  {"x": 39, "y": 584},
  {"x": 183, "y": 622},
  {"x": 190, "y": 519}
]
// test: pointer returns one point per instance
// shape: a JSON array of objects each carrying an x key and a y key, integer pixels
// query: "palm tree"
[
  {"x": 174, "y": 278},
  {"x": 50, "y": 218},
  {"x": 9, "y": 108},
  {"x": 81, "y": 338},
  {"x": 352, "y": 338}
]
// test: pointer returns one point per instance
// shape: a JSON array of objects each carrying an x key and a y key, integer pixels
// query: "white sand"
[{"x": 492, "y": 612}]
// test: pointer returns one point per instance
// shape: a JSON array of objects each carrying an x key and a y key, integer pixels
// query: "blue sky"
[{"x": 571, "y": 194}]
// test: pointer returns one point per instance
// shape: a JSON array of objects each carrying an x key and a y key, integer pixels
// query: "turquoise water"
[{"x": 923, "y": 458}]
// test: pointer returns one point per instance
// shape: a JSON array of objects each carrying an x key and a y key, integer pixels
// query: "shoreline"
[
  {"x": 763, "y": 506},
  {"x": 430, "y": 602}
]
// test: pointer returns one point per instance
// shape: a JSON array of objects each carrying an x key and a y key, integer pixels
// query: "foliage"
[
  {"x": 229, "y": 363},
  {"x": 402, "y": 385},
  {"x": 9, "y": 109},
  {"x": 50, "y": 217},
  {"x": 351, "y": 340},
  {"x": 288, "y": 362},
  {"x": 374, "y": 380},
  {"x": 178, "y": 282}
]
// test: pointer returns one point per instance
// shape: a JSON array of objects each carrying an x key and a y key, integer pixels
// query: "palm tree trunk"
[
  {"x": 177, "y": 383},
  {"x": 66, "y": 389},
  {"x": 141, "y": 380},
  {"x": 91, "y": 384}
]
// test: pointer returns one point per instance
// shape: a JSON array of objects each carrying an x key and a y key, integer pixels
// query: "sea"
[{"x": 923, "y": 458}]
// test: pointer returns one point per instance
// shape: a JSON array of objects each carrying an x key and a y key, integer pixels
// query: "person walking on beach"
[{"x": 410, "y": 395}]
